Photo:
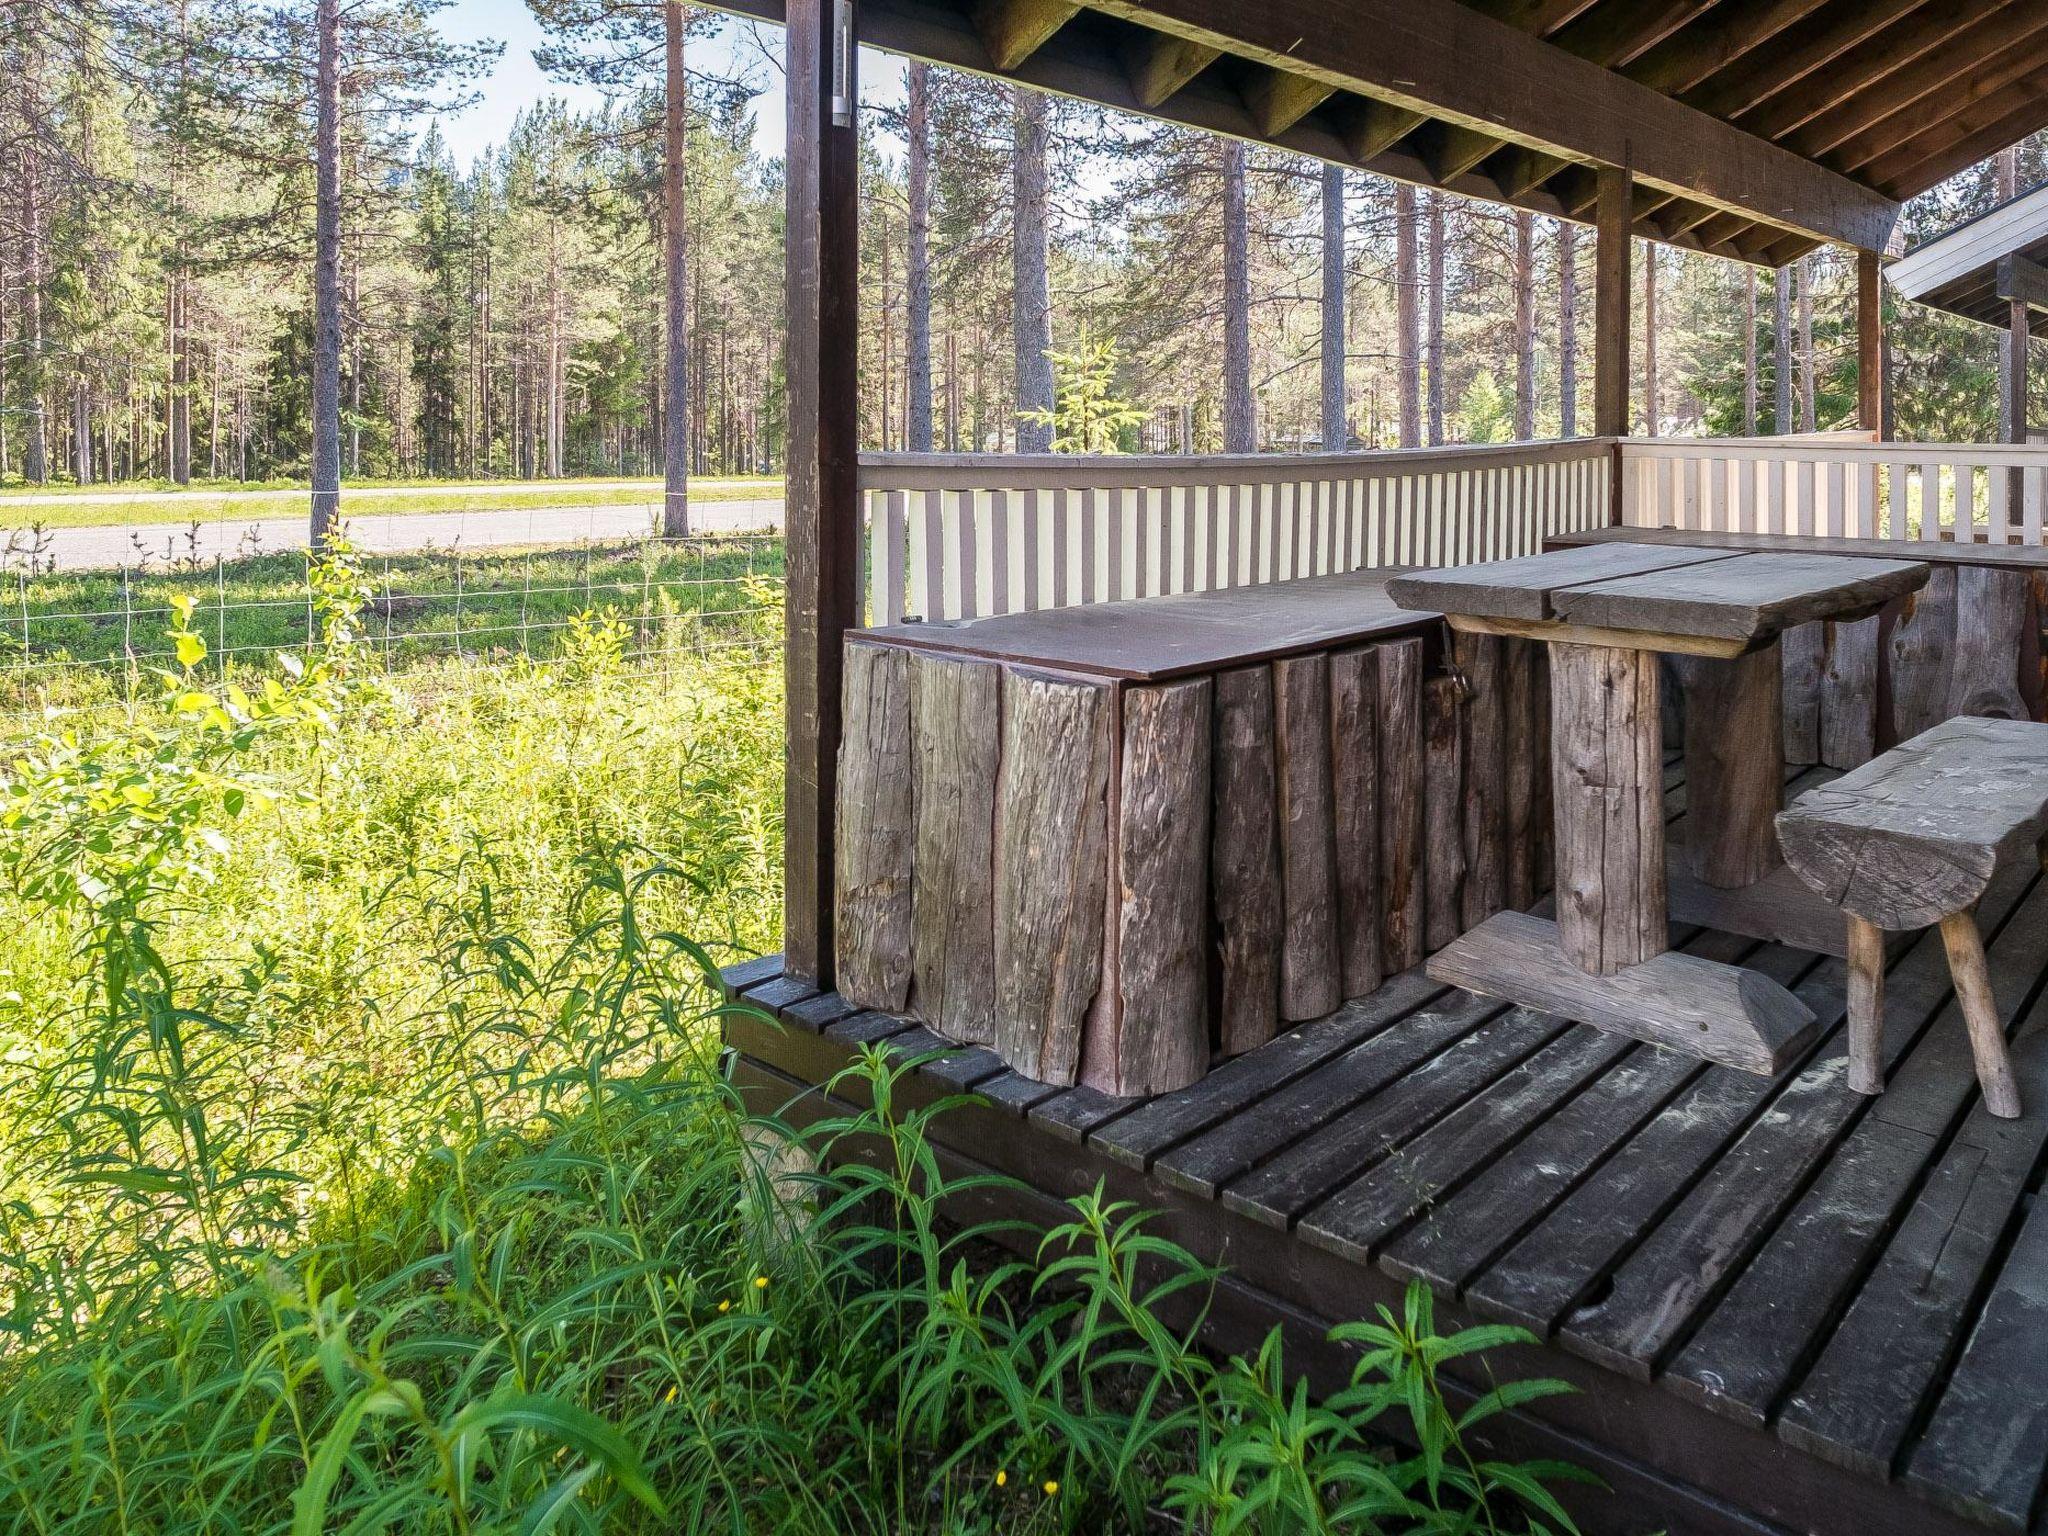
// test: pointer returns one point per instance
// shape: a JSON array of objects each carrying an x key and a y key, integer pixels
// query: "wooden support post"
[
  {"x": 2016, "y": 381},
  {"x": 1609, "y": 790},
  {"x": 1611, "y": 262},
  {"x": 821, "y": 508},
  {"x": 1870, "y": 383},
  {"x": 1734, "y": 764},
  {"x": 1866, "y": 1005}
]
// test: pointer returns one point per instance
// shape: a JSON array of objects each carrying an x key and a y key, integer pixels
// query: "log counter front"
[{"x": 1110, "y": 843}]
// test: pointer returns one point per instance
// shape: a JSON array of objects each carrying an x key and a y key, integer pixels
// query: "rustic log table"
[{"x": 1607, "y": 612}]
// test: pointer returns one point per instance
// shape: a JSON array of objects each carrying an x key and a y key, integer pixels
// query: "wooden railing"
[
  {"x": 960, "y": 536},
  {"x": 1837, "y": 486}
]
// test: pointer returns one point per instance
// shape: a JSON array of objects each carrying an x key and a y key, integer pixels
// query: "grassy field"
[
  {"x": 150, "y": 503},
  {"x": 366, "y": 1164}
]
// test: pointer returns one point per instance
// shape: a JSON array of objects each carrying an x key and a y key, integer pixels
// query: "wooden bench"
[{"x": 1912, "y": 839}]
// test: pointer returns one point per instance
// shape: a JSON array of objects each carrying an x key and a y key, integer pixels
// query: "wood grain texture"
[
  {"x": 1310, "y": 981},
  {"x": 1917, "y": 834},
  {"x": 1245, "y": 860},
  {"x": 1052, "y": 853},
  {"x": 1966, "y": 963},
  {"x": 1355, "y": 785},
  {"x": 1483, "y": 732},
  {"x": 1804, "y": 647},
  {"x": 1401, "y": 803},
  {"x": 1161, "y": 1037},
  {"x": 1608, "y": 792},
  {"x": 1443, "y": 856},
  {"x": 956, "y": 728},
  {"x": 1525, "y": 770},
  {"x": 1744, "y": 598},
  {"x": 1734, "y": 765},
  {"x": 1866, "y": 1006},
  {"x": 875, "y": 831},
  {"x": 1522, "y": 588},
  {"x": 1849, "y": 693},
  {"x": 1992, "y": 610},
  {"x": 1922, "y": 655},
  {"x": 1724, "y": 1013}
]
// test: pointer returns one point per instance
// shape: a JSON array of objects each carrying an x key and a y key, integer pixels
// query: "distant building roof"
[{"x": 1977, "y": 268}]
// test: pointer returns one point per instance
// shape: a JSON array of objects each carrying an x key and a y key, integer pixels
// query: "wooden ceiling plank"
[
  {"x": 1805, "y": 49},
  {"x": 1013, "y": 30},
  {"x": 1616, "y": 33},
  {"x": 1688, "y": 57},
  {"x": 1370, "y": 127},
  {"x": 1161, "y": 65},
  {"x": 2002, "y": 118},
  {"x": 1445, "y": 60},
  {"x": 1935, "y": 93},
  {"x": 1279, "y": 99},
  {"x": 1867, "y": 70},
  {"x": 1536, "y": 17}
]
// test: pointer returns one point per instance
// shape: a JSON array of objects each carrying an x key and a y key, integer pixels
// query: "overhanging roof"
[
  {"x": 1978, "y": 268},
  {"x": 1756, "y": 129}
]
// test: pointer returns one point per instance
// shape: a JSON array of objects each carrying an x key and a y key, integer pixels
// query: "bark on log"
[
  {"x": 1991, "y": 610},
  {"x": 1609, "y": 795},
  {"x": 1052, "y": 861},
  {"x": 1848, "y": 714},
  {"x": 1805, "y": 651},
  {"x": 1734, "y": 778},
  {"x": 1160, "y": 1039},
  {"x": 1444, "y": 797},
  {"x": 1524, "y": 771},
  {"x": 874, "y": 831},
  {"x": 1354, "y": 778},
  {"x": 1483, "y": 727},
  {"x": 955, "y": 708},
  {"x": 1923, "y": 656},
  {"x": 1309, "y": 979},
  {"x": 1401, "y": 799},
  {"x": 1245, "y": 861}
]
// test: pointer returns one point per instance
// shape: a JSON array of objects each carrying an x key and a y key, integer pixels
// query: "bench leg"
[
  {"x": 1866, "y": 1005},
  {"x": 1980, "y": 1012}
]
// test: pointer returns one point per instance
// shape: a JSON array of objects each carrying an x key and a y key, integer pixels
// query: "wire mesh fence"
[{"x": 77, "y": 635}]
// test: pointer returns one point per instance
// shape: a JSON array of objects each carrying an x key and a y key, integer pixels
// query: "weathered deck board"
[{"x": 1820, "y": 1312}]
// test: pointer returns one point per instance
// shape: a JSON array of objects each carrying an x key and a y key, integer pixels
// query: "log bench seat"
[{"x": 1911, "y": 840}]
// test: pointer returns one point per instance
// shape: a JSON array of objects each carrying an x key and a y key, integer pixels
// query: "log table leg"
[
  {"x": 1866, "y": 1006},
  {"x": 1734, "y": 764},
  {"x": 1608, "y": 786},
  {"x": 1607, "y": 960},
  {"x": 1972, "y": 977}
]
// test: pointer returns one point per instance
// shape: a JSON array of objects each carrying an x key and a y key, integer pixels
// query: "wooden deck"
[{"x": 1786, "y": 1306}]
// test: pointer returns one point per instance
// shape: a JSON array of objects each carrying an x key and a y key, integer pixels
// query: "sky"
[{"x": 517, "y": 81}]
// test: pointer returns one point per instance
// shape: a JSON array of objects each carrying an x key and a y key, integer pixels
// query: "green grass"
[
  {"x": 156, "y": 505},
  {"x": 366, "y": 1164}
]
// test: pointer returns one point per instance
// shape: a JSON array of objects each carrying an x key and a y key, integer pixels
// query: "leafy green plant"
[{"x": 1087, "y": 414}]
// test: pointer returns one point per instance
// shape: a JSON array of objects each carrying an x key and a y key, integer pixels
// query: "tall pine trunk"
[
  {"x": 1407, "y": 282},
  {"x": 1336, "y": 425},
  {"x": 1808, "y": 417},
  {"x": 1567, "y": 329},
  {"x": 1748, "y": 350},
  {"x": 918, "y": 281},
  {"x": 36, "y": 452},
  {"x": 1031, "y": 305},
  {"x": 1653, "y": 393},
  {"x": 1781, "y": 350},
  {"x": 1525, "y": 326},
  {"x": 1433, "y": 343},
  {"x": 327, "y": 274},
  {"x": 675, "y": 455},
  {"x": 2006, "y": 181},
  {"x": 1240, "y": 426}
]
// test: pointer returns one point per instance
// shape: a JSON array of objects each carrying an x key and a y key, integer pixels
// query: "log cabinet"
[{"x": 1111, "y": 843}]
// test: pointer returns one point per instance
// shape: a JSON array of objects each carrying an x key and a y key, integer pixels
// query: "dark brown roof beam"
[
  {"x": 1677, "y": 222},
  {"x": 1160, "y": 64},
  {"x": 1538, "y": 17},
  {"x": 1868, "y": 69},
  {"x": 1936, "y": 91},
  {"x": 2002, "y": 118},
  {"x": 1711, "y": 44},
  {"x": 2027, "y": 281},
  {"x": 1516, "y": 169},
  {"x": 1715, "y": 233},
  {"x": 1577, "y": 189},
  {"x": 1803, "y": 50},
  {"x": 1369, "y": 128},
  {"x": 1278, "y": 100},
  {"x": 1616, "y": 32},
  {"x": 1013, "y": 30},
  {"x": 1450, "y": 150}
]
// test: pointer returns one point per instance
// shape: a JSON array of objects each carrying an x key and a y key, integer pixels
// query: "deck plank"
[
  {"x": 1137, "y": 1138},
  {"x": 1205, "y": 1162}
]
